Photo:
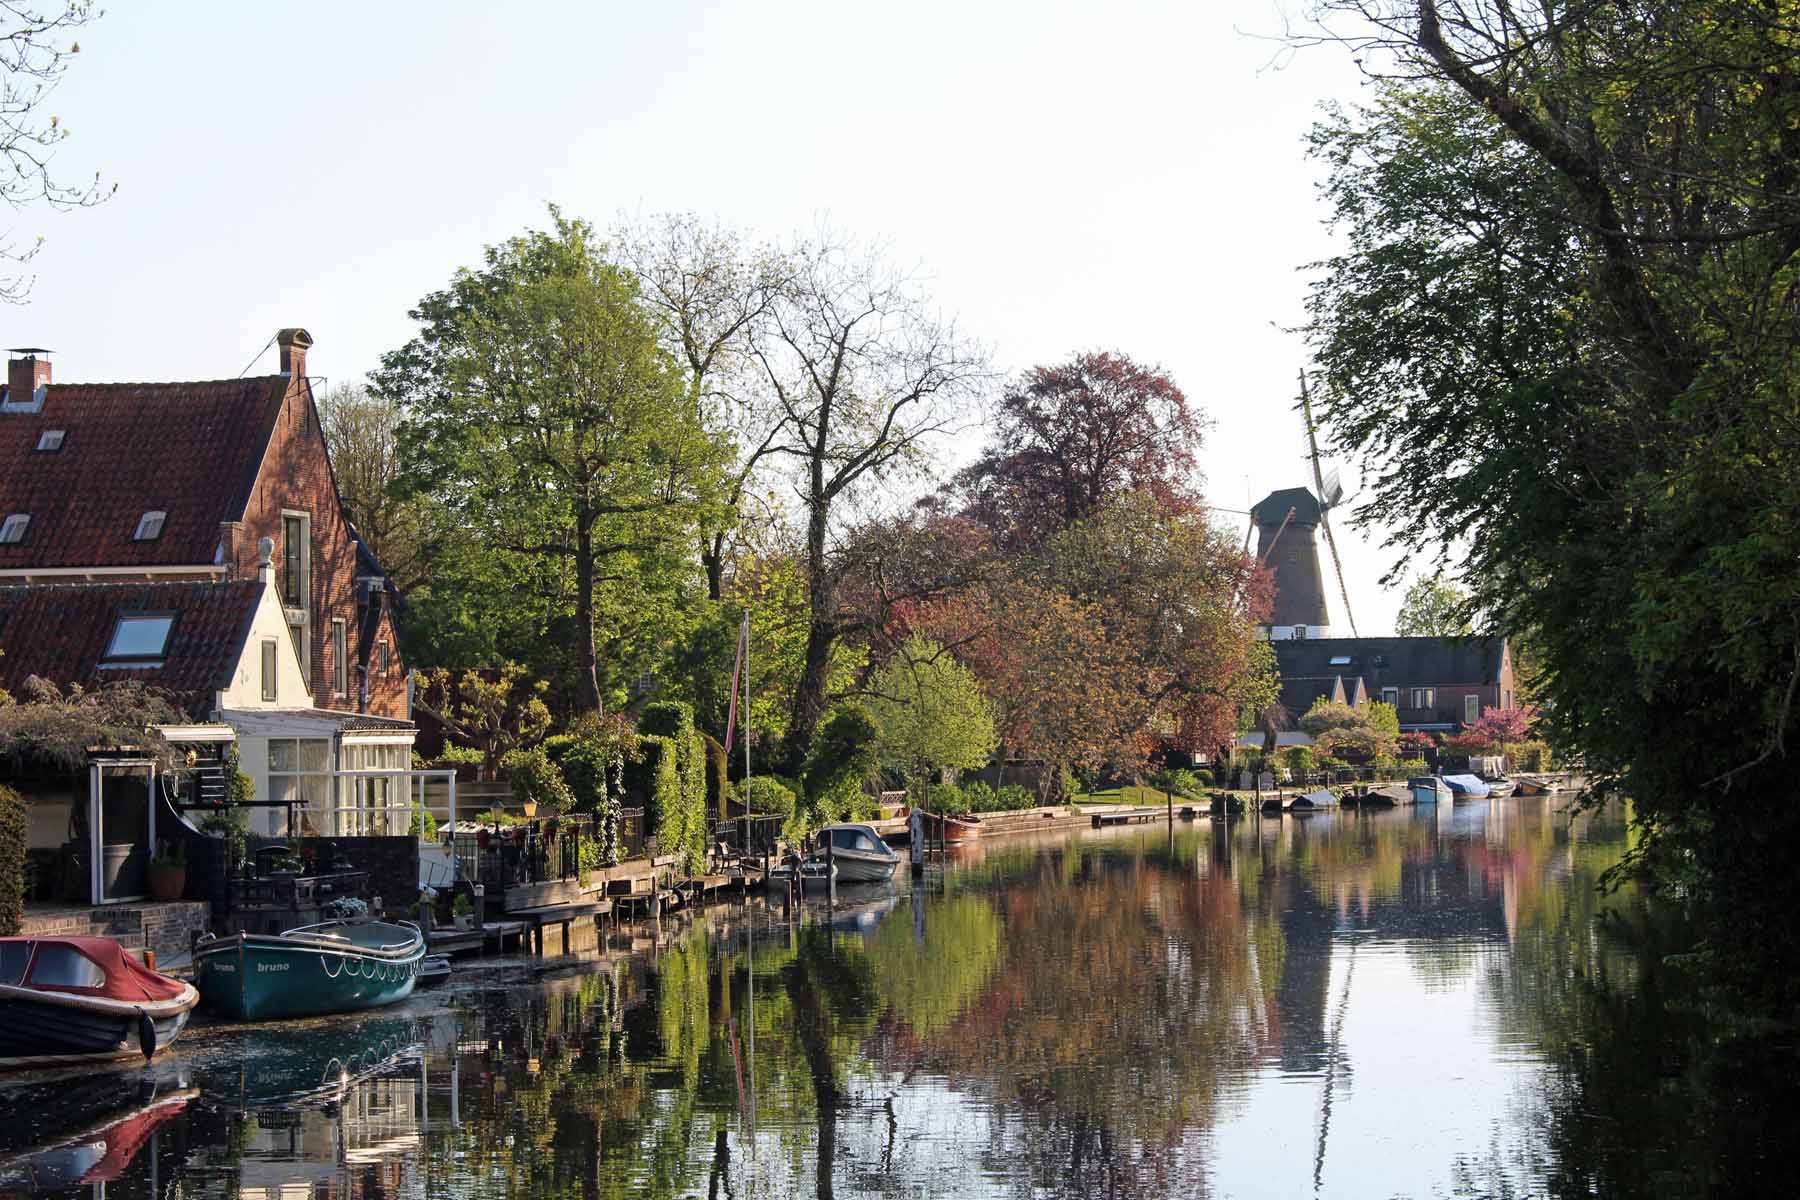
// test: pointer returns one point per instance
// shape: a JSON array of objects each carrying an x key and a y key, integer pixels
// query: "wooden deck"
[{"x": 1124, "y": 815}]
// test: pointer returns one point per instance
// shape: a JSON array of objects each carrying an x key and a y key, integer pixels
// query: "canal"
[{"x": 1415, "y": 1002}]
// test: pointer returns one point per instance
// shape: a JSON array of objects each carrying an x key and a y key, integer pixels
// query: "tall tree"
[
  {"x": 361, "y": 429},
  {"x": 710, "y": 289},
  {"x": 543, "y": 413},
  {"x": 1433, "y": 607},
  {"x": 1068, "y": 438},
  {"x": 865, "y": 375},
  {"x": 33, "y": 58},
  {"x": 1583, "y": 224}
]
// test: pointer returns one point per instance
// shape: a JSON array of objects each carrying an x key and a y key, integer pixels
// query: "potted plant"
[
  {"x": 462, "y": 910},
  {"x": 168, "y": 871}
]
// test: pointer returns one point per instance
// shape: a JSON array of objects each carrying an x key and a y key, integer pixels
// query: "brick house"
[
  {"x": 164, "y": 483},
  {"x": 1438, "y": 684}
]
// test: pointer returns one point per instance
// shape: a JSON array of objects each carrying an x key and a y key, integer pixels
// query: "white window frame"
[
  {"x": 1391, "y": 696},
  {"x": 299, "y": 616},
  {"x": 1471, "y": 709},
  {"x": 1429, "y": 698},
  {"x": 373, "y": 800},
  {"x": 324, "y": 810},
  {"x": 150, "y": 526},
  {"x": 13, "y": 528},
  {"x": 270, "y": 651},
  {"x": 340, "y": 657},
  {"x": 51, "y": 440}
]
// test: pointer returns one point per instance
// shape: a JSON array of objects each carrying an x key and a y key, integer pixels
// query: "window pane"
[
  {"x": 315, "y": 754},
  {"x": 353, "y": 756},
  {"x": 13, "y": 957},
  {"x": 139, "y": 637},
  {"x": 282, "y": 755},
  {"x": 61, "y": 966}
]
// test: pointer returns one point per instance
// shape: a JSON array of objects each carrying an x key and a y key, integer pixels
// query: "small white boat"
[
  {"x": 858, "y": 853},
  {"x": 1500, "y": 787},
  {"x": 1430, "y": 789}
]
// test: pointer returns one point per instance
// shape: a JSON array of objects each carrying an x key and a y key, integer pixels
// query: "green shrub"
[
  {"x": 843, "y": 757},
  {"x": 1180, "y": 781},
  {"x": 1531, "y": 757},
  {"x": 12, "y": 861},
  {"x": 1203, "y": 777},
  {"x": 423, "y": 825},
  {"x": 771, "y": 797},
  {"x": 1298, "y": 760},
  {"x": 675, "y": 798},
  {"x": 536, "y": 779}
]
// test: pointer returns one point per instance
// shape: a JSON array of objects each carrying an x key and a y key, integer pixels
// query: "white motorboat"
[
  {"x": 858, "y": 853},
  {"x": 1430, "y": 789}
]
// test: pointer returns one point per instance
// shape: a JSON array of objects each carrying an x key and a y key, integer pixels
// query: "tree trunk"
[
  {"x": 712, "y": 558},
  {"x": 821, "y": 632},
  {"x": 588, "y": 667}
]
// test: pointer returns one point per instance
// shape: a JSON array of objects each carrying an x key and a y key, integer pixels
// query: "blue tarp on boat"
[{"x": 1466, "y": 785}]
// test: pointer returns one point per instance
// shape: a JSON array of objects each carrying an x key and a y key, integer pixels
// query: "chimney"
[
  {"x": 26, "y": 372},
  {"x": 230, "y": 534},
  {"x": 294, "y": 344}
]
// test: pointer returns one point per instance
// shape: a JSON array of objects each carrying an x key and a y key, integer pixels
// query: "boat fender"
[{"x": 146, "y": 1035}]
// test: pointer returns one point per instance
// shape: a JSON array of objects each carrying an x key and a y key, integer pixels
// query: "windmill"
[{"x": 1330, "y": 491}]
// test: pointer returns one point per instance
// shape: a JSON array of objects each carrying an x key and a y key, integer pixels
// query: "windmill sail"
[{"x": 1327, "y": 498}]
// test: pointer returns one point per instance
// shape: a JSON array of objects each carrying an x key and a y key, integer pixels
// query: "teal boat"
[{"x": 332, "y": 967}]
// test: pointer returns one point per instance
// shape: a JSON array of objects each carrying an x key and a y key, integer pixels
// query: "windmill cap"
[{"x": 1273, "y": 508}]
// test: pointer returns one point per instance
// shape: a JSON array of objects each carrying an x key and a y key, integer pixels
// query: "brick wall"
[{"x": 295, "y": 476}]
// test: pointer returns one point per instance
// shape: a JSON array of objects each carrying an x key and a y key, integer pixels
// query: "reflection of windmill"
[{"x": 1287, "y": 523}]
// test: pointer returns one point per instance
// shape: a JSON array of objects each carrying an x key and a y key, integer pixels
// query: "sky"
[{"x": 1064, "y": 176}]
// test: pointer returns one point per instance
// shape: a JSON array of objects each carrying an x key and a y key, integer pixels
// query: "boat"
[
  {"x": 1386, "y": 796},
  {"x": 951, "y": 827},
  {"x": 1322, "y": 798},
  {"x": 434, "y": 968},
  {"x": 331, "y": 967},
  {"x": 84, "y": 999},
  {"x": 858, "y": 852},
  {"x": 1530, "y": 787},
  {"x": 1501, "y": 787},
  {"x": 792, "y": 865},
  {"x": 1429, "y": 789},
  {"x": 1467, "y": 787}
]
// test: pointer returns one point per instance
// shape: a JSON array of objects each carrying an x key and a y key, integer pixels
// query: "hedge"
[
  {"x": 12, "y": 861},
  {"x": 675, "y": 804}
]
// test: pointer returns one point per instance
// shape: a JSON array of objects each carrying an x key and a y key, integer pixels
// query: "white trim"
[
  {"x": 369, "y": 737},
  {"x": 101, "y": 572},
  {"x": 204, "y": 732}
]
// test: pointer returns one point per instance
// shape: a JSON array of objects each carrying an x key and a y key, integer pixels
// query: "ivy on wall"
[{"x": 12, "y": 861}]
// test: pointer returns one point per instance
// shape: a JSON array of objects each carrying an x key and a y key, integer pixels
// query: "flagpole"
[{"x": 746, "y": 731}]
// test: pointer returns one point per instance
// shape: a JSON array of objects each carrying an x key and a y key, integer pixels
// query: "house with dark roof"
[
  {"x": 1438, "y": 684},
  {"x": 192, "y": 535}
]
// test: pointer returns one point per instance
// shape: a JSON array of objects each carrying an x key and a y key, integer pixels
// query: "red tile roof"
[
  {"x": 189, "y": 449},
  {"x": 61, "y": 632}
]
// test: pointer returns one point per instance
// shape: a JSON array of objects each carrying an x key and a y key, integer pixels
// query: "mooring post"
[{"x": 830, "y": 872}]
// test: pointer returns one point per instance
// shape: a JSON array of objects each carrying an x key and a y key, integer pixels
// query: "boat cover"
[
  {"x": 126, "y": 977},
  {"x": 1469, "y": 784}
]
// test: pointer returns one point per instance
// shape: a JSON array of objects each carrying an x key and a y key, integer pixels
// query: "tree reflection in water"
[{"x": 1129, "y": 1014}]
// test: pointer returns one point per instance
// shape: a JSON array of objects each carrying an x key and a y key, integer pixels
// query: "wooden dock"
[
  {"x": 449, "y": 940},
  {"x": 1128, "y": 815}
]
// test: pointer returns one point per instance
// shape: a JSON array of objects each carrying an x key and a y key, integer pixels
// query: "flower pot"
[{"x": 167, "y": 882}]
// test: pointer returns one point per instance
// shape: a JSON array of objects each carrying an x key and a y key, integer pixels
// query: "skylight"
[
  {"x": 12, "y": 530},
  {"x": 1340, "y": 660},
  {"x": 140, "y": 636},
  {"x": 149, "y": 526},
  {"x": 50, "y": 439}
]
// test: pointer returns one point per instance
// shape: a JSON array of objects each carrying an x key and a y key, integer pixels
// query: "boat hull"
[
  {"x": 942, "y": 827},
  {"x": 862, "y": 868},
  {"x": 252, "y": 977},
  {"x": 41, "y": 1030},
  {"x": 1429, "y": 791}
]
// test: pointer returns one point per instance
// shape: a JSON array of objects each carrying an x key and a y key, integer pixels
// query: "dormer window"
[
  {"x": 139, "y": 638},
  {"x": 149, "y": 526},
  {"x": 12, "y": 530},
  {"x": 50, "y": 440}
]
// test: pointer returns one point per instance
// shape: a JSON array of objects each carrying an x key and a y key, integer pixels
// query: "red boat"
[
  {"x": 952, "y": 827},
  {"x": 81, "y": 999}
]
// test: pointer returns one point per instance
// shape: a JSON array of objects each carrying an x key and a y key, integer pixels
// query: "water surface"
[{"x": 1409, "y": 1003}]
